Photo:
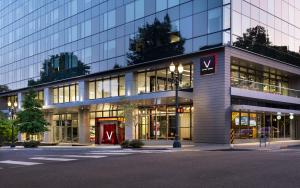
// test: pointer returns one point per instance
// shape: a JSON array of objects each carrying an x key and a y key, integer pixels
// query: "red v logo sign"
[{"x": 109, "y": 135}]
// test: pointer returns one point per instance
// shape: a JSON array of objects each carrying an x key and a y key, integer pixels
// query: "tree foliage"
[
  {"x": 61, "y": 66},
  {"x": 155, "y": 41},
  {"x": 3, "y": 88},
  {"x": 256, "y": 40},
  {"x": 31, "y": 119},
  {"x": 5, "y": 128}
]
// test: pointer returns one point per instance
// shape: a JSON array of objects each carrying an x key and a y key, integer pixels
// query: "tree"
[
  {"x": 3, "y": 88},
  {"x": 155, "y": 41},
  {"x": 256, "y": 40},
  {"x": 5, "y": 129},
  {"x": 31, "y": 120},
  {"x": 61, "y": 66}
]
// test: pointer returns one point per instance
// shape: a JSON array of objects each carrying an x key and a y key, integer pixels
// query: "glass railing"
[{"x": 267, "y": 88}]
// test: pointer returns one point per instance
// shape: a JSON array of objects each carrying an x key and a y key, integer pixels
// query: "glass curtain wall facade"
[
  {"x": 279, "y": 20},
  {"x": 97, "y": 32}
]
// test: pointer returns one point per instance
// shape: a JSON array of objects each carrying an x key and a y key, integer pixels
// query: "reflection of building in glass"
[{"x": 240, "y": 60}]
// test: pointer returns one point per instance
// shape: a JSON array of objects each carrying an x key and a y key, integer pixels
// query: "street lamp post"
[
  {"x": 176, "y": 73},
  {"x": 12, "y": 110}
]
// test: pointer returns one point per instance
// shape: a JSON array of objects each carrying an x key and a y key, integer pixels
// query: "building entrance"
[
  {"x": 158, "y": 122},
  {"x": 109, "y": 131},
  {"x": 251, "y": 125},
  {"x": 65, "y": 127}
]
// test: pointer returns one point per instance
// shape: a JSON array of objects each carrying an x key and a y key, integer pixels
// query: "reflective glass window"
[
  {"x": 214, "y": 20},
  {"x": 139, "y": 9},
  {"x": 106, "y": 88},
  {"x": 114, "y": 87},
  {"x": 121, "y": 86},
  {"x": 161, "y": 5},
  {"x": 92, "y": 93},
  {"x": 130, "y": 12},
  {"x": 99, "y": 89}
]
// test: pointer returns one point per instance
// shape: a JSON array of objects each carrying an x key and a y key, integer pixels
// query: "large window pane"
[
  {"x": 92, "y": 93},
  {"x": 139, "y": 9},
  {"x": 66, "y": 94},
  {"x": 130, "y": 12},
  {"x": 141, "y": 84},
  {"x": 200, "y": 24},
  {"x": 162, "y": 80},
  {"x": 72, "y": 93},
  {"x": 106, "y": 88},
  {"x": 55, "y": 95},
  {"x": 99, "y": 89},
  {"x": 199, "y": 5},
  {"x": 114, "y": 87},
  {"x": 214, "y": 20},
  {"x": 185, "y": 27},
  {"x": 161, "y": 5},
  {"x": 150, "y": 81},
  {"x": 122, "y": 86},
  {"x": 61, "y": 95}
]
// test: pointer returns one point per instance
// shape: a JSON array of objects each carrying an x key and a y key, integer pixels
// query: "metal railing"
[{"x": 267, "y": 88}]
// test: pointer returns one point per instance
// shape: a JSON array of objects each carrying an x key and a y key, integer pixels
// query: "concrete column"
[
  {"x": 83, "y": 90},
  {"x": 48, "y": 135},
  {"x": 84, "y": 126},
  {"x": 211, "y": 101},
  {"x": 20, "y": 100},
  {"x": 47, "y": 96},
  {"x": 20, "y": 137},
  {"x": 130, "y": 124},
  {"x": 130, "y": 84}
]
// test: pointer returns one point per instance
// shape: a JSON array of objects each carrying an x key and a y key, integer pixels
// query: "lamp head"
[
  {"x": 15, "y": 104},
  {"x": 9, "y": 104},
  {"x": 172, "y": 67},
  {"x": 180, "y": 68}
]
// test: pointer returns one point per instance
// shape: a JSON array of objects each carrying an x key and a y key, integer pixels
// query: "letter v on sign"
[
  {"x": 109, "y": 135},
  {"x": 206, "y": 64}
]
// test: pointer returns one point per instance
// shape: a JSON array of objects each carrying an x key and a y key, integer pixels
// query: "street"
[{"x": 90, "y": 167}]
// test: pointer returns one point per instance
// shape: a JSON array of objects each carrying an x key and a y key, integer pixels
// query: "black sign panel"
[{"x": 207, "y": 65}]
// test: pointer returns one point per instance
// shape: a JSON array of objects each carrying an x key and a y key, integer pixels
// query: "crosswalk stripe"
[
  {"x": 119, "y": 151},
  {"x": 19, "y": 162},
  {"x": 52, "y": 159},
  {"x": 85, "y": 156},
  {"x": 108, "y": 153}
]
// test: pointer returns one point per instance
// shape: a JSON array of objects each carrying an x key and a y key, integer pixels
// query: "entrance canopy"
[{"x": 262, "y": 109}]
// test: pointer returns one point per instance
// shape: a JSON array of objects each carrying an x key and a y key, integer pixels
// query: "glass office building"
[{"x": 79, "y": 56}]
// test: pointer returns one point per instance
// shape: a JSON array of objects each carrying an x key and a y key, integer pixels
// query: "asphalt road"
[{"x": 278, "y": 168}]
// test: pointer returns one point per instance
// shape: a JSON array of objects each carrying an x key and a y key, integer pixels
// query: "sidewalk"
[
  {"x": 273, "y": 145},
  {"x": 186, "y": 146}
]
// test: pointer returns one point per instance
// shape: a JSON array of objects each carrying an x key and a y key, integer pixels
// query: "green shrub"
[
  {"x": 31, "y": 144},
  {"x": 136, "y": 144},
  {"x": 125, "y": 144}
]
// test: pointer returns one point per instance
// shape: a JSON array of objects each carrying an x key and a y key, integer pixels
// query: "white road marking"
[
  {"x": 108, "y": 153},
  {"x": 85, "y": 156},
  {"x": 52, "y": 159},
  {"x": 19, "y": 163}
]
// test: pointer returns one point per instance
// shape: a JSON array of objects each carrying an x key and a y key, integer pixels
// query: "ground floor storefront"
[{"x": 112, "y": 124}]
